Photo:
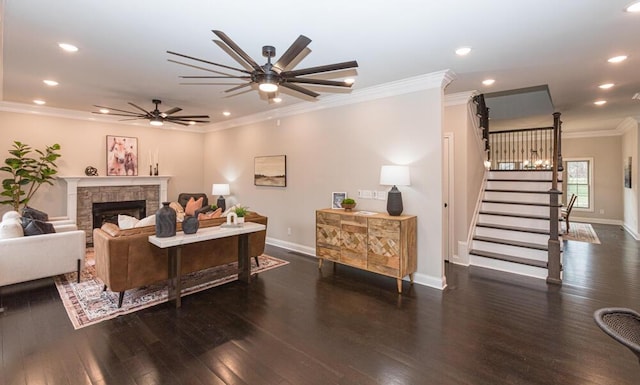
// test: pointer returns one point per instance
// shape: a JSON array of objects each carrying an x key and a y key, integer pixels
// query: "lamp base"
[
  {"x": 221, "y": 203},
  {"x": 394, "y": 202}
]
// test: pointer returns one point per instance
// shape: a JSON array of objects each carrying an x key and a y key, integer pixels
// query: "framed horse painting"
[{"x": 122, "y": 156}]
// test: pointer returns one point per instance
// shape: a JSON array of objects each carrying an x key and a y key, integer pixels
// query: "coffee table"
[{"x": 175, "y": 243}]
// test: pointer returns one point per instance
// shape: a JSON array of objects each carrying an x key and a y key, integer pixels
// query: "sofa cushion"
[
  {"x": 127, "y": 221},
  {"x": 111, "y": 229},
  {"x": 30, "y": 212},
  {"x": 211, "y": 214},
  {"x": 32, "y": 226},
  {"x": 148, "y": 221},
  {"x": 192, "y": 206},
  {"x": 177, "y": 207}
]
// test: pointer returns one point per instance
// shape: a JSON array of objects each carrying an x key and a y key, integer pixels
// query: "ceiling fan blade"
[
  {"x": 123, "y": 120},
  {"x": 238, "y": 87},
  {"x": 188, "y": 117},
  {"x": 140, "y": 108},
  {"x": 292, "y": 52},
  {"x": 300, "y": 89},
  {"x": 188, "y": 120},
  {"x": 198, "y": 67},
  {"x": 114, "y": 109},
  {"x": 136, "y": 116},
  {"x": 318, "y": 69},
  {"x": 180, "y": 123},
  {"x": 322, "y": 82},
  {"x": 233, "y": 55},
  {"x": 172, "y": 111},
  {"x": 238, "y": 50},
  {"x": 239, "y": 93},
  {"x": 205, "y": 84},
  {"x": 208, "y": 62},
  {"x": 215, "y": 77}
]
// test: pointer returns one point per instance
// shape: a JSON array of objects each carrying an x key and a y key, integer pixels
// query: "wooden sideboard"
[{"x": 378, "y": 242}]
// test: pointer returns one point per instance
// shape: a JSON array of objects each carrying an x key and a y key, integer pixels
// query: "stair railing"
[{"x": 554, "y": 264}]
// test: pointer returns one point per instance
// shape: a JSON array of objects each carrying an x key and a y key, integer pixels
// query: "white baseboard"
[
  {"x": 633, "y": 233},
  {"x": 431, "y": 281},
  {"x": 462, "y": 258},
  {"x": 291, "y": 246},
  {"x": 601, "y": 221}
]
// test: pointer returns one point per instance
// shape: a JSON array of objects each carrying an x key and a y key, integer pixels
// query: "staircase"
[{"x": 512, "y": 229}]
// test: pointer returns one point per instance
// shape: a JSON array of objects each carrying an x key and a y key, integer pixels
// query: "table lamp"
[
  {"x": 220, "y": 189},
  {"x": 394, "y": 176}
]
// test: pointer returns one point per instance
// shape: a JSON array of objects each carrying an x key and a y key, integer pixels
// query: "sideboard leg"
[
  {"x": 411, "y": 278},
  {"x": 399, "y": 285},
  {"x": 320, "y": 263}
]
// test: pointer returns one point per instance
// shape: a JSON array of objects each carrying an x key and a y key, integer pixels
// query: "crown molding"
[
  {"x": 459, "y": 98},
  {"x": 432, "y": 80},
  {"x": 31, "y": 109}
]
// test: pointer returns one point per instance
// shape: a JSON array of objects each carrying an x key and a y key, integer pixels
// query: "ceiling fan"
[
  {"x": 270, "y": 76},
  {"x": 156, "y": 118}
]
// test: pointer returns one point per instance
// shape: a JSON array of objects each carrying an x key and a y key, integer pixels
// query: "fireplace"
[{"x": 108, "y": 211}]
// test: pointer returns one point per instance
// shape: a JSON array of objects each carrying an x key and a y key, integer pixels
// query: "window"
[{"x": 579, "y": 181}]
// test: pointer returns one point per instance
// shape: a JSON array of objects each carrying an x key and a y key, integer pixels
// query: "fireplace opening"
[{"x": 108, "y": 211}]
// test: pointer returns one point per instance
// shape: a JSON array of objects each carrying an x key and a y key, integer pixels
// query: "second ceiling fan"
[{"x": 270, "y": 76}]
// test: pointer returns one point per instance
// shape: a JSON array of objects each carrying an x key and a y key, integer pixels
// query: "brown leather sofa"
[{"x": 126, "y": 260}]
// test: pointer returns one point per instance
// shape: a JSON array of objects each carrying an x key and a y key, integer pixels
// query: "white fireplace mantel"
[{"x": 73, "y": 182}]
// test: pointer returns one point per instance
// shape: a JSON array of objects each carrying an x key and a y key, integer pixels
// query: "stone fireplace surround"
[{"x": 82, "y": 192}]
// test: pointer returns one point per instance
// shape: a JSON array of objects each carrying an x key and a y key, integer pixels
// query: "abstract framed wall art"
[
  {"x": 270, "y": 171},
  {"x": 122, "y": 156}
]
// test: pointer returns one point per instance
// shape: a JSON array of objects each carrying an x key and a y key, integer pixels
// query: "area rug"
[
  {"x": 582, "y": 232},
  {"x": 87, "y": 304}
]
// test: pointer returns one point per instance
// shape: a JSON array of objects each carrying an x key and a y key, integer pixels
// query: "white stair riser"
[
  {"x": 538, "y": 239},
  {"x": 529, "y": 223},
  {"x": 509, "y": 267},
  {"x": 510, "y": 185},
  {"x": 520, "y": 209},
  {"x": 538, "y": 175},
  {"x": 516, "y": 197},
  {"x": 516, "y": 251}
]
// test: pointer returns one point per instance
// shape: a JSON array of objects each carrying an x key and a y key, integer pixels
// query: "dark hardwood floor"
[{"x": 296, "y": 325}]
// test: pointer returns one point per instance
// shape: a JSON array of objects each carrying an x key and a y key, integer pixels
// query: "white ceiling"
[{"x": 122, "y": 58}]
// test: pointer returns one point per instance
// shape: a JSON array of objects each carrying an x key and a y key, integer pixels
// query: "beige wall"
[
  {"x": 340, "y": 149},
  {"x": 83, "y": 144},
  {"x": 607, "y": 176}
]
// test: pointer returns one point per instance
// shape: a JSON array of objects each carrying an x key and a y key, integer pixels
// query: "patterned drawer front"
[
  {"x": 386, "y": 247},
  {"x": 329, "y": 219},
  {"x": 383, "y": 255},
  {"x": 384, "y": 228},
  {"x": 327, "y": 253},
  {"x": 327, "y": 235}
]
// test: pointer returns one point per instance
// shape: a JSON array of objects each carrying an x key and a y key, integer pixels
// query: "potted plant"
[
  {"x": 348, "y": 204},
  {"x": 27, "y": 173},
  {"x": 241, "y": 212}
]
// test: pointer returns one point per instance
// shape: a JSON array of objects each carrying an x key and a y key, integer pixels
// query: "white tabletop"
[{"x": 205, "y": 234}]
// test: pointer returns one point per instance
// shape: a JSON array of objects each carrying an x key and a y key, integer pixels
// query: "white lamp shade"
[
  {"x": 220, "y": 189},
  {"x": 395, "y": 176}
]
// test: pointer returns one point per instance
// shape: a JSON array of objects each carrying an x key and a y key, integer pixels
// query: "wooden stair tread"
[
  {"x": 512, "y": 228},
  {"x": 509, "y": 242},
  {"x": 522, "y": 180},
  {"x": 523, "y": 191},
  {"x": 509, "y": 258},
  {"x": 519, "y": 203},
  {"x": 515, "y": 215}
]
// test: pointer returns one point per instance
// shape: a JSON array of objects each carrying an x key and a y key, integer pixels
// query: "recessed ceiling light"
[
  {"x": 51, "y": 83},
  {"x": 488, "y": 82},
  {"x": 39, "y": 102},
  {"x": 600, "y": 102},
  {"x": 617, "y": 59},
  {"x": 277, "y": 99},
  {"x": 633, "y": 7},
  {"x": 68, "y": 47},
  {"x": 606, "y": 86},
  {"x": 462, "y": 51},
  {"x": 104, "y": 111},
  {"x": 226, "y": 113}
]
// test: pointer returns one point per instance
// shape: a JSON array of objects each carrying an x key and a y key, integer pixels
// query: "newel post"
[{"x": 554, "y": 264}]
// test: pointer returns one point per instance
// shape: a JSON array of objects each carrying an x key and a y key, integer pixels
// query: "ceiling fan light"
[
  {"x": 633, "y": 7},
  {"x": 104, "y": 111},
  {"x": 268, "y": 87},
  {"x": 155, "y": 122}
]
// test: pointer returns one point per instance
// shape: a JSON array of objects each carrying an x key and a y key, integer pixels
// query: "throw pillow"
[
  {"x": 148, "y": 221},
  {"x": 211, "y": 214},
  {"x": 30, "y": 212},
  {"x": 11, "y": 228},
  {"x": 177, "y": 207},
  {"x": 32, "y": 226},
  {"x": 126, "y": 221},
  {"x": 192, "y": 206}
]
